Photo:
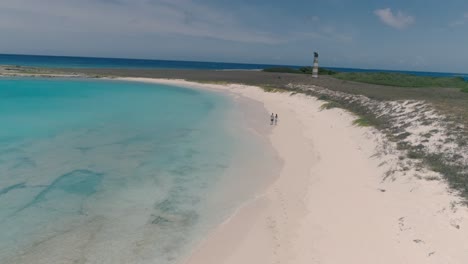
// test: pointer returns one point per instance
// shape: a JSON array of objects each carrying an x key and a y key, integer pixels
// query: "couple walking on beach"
[{"x": 273, "y": 119}]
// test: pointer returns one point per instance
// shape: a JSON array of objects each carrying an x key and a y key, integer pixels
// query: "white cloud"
[
  {"x": 398, "y": 20},
  {"x": 460, "y": 22},
  {"x": 182, "y": 17}
]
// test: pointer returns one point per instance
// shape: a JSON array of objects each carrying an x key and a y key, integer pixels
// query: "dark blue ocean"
[{"x": 88, "y": 62}]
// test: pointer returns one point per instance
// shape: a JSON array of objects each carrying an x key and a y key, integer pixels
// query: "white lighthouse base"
[{"x": 315, "y": 69}]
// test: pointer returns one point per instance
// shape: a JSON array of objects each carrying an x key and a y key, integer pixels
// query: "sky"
[{"x": 424, "y": 35}]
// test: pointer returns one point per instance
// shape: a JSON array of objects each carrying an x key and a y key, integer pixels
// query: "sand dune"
[{"x": 333, "y": 202}]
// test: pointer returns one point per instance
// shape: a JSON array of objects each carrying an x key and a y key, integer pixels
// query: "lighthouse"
[{"x": 316, "y": 67}]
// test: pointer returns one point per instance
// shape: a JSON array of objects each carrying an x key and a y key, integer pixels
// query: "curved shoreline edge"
[{"x": 332, "y": 202}]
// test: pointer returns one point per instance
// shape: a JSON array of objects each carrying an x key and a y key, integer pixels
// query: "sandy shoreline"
[{"x": 331, "y": 203}]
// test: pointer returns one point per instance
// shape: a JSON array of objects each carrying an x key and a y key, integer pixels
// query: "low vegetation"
[
  {"x": 450, "y": 166},
  {"x": 384, "y": 78},
  {"x": 363, "y": 122},
  {"x": 404, "y": 80},
  {"x": 302, "y": 70},
  {"x": 282, "y": 69},
  {"x": 271, "y": 89},
  {"x": 330, "y": 105}
]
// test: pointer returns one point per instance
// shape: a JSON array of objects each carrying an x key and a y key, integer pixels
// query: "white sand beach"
[{"x": 332, "y": 202}]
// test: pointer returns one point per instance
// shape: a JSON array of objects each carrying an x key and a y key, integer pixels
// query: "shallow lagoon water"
[{"x": 95, "y": 171}]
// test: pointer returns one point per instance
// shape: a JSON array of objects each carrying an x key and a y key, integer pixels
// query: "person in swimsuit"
[
  {"x": 272, "y": 118},
  {"x": 276, "y": 119}
]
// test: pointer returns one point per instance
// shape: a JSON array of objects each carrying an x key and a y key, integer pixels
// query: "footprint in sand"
[
  {"x": 456, "y": 222},
  {"x": 282, "y": 203},
  {"x": 402, "y": 224},
  {"x": 272, "y": 225}
]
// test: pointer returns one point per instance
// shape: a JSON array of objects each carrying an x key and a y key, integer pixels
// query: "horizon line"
[{"x": 225, "y": 62}]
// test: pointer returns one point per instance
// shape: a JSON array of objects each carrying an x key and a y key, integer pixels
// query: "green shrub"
[
  {"x": 324, "y": 71},
  {"x": 282, "y": 69},
  {"x": 403, "y": 80},
  {"x": 303, "y": 70},
  {"x": 363, "y": 122},
  {"x": 330, "y": 105}
]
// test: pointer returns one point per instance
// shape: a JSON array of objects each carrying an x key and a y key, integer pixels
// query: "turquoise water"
[{"x": 95, "y": 171}]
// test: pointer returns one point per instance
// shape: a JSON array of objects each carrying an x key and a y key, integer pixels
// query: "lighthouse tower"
[{"x": 316, "y": 66}]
